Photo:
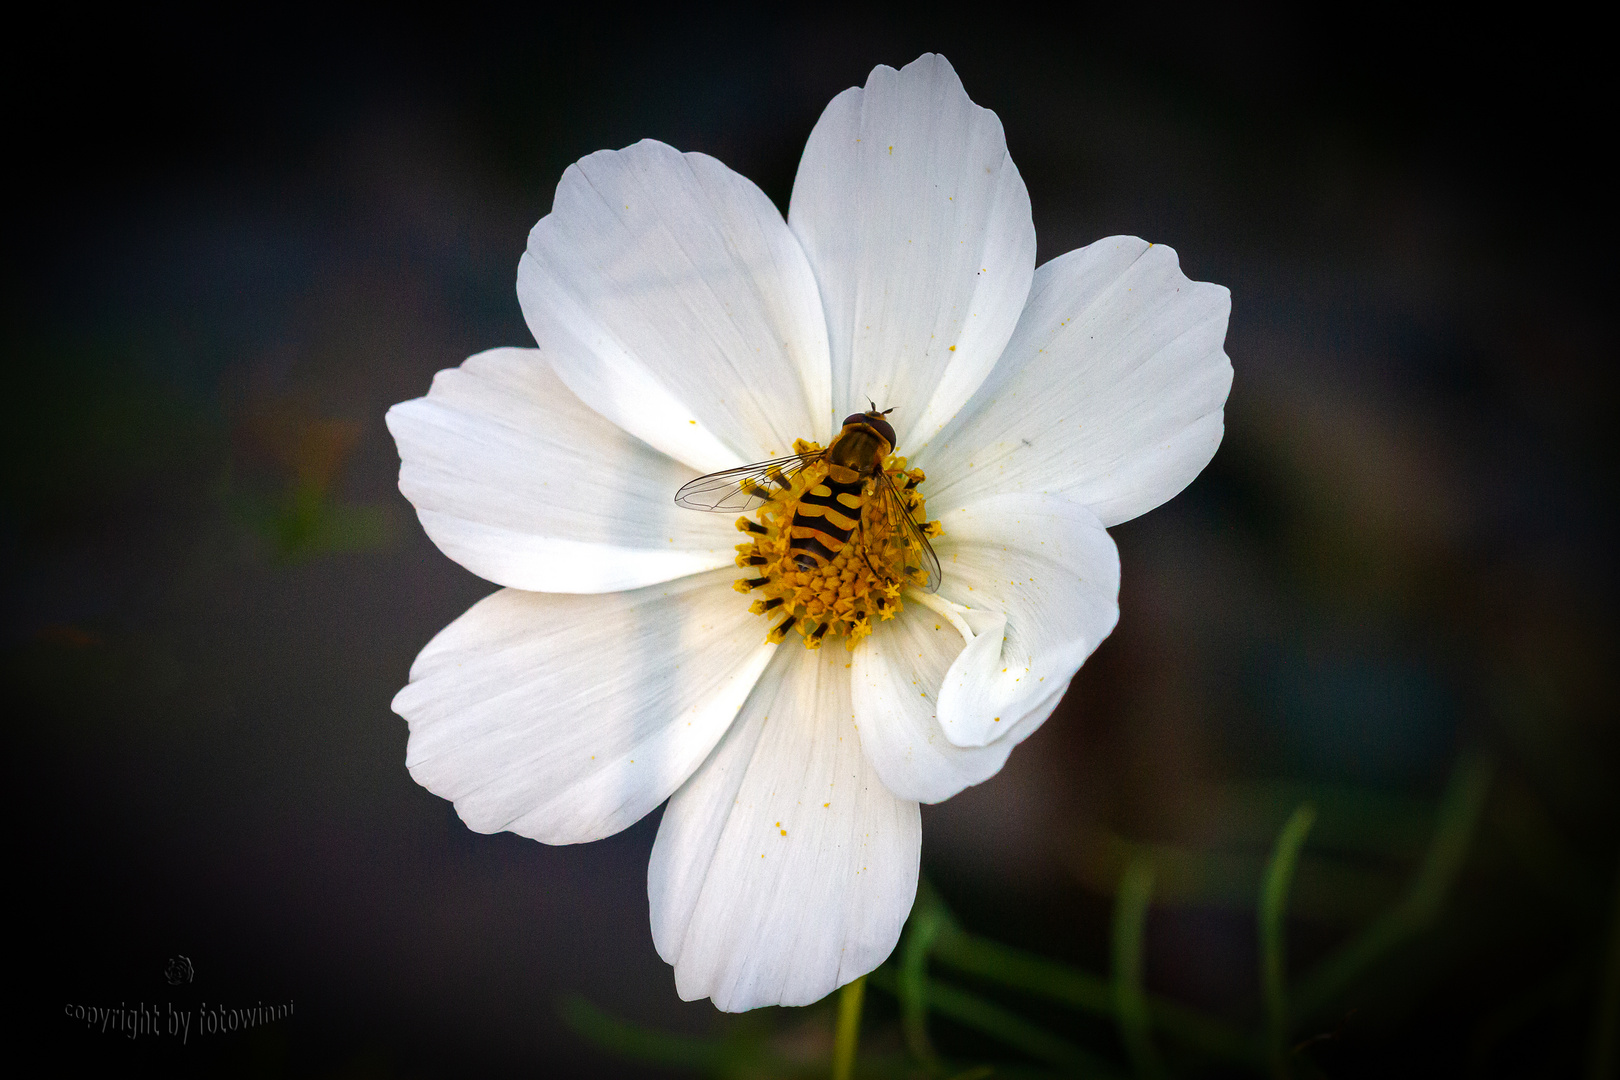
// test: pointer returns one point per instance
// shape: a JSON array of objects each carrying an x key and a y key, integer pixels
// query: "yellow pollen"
[{"x": 862, "y": 581}]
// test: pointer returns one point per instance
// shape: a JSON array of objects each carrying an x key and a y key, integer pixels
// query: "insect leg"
[{"x": 861, "y": 539}]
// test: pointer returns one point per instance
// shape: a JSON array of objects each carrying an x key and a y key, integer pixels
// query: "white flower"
[{"x": 684, "y": 328}]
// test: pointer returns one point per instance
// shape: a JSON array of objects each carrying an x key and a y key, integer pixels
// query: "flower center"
[{"x": 830, "y": 548}]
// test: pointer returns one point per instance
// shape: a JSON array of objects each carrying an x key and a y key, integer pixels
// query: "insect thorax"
[{"x": 859, "y": 448}]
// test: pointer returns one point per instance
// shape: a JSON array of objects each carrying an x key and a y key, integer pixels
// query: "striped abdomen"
[{"x": 826, "y": 517}]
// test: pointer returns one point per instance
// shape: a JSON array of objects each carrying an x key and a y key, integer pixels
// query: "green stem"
[
  {"x": 1459, "y": 812},
  {"x": 1130, "y": 927},
  {"x": 1275, "y": 885},
  {"x": 849, "y": 1028}
]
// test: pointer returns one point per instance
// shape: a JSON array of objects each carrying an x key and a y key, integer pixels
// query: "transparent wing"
[
  {"x": 735, "y": 491},
  {"x": 894, "y": 505}
]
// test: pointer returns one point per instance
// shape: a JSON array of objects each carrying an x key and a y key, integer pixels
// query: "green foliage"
[
  {"x": 304, "y": 520},
  {"x": 1279, "y": 877},
  {"x": 105, "y": 446},
  {"x": 285, "y": 488},
  {"x": 1015, "y": 992},
  {"x": 1130, "y": 1002}
]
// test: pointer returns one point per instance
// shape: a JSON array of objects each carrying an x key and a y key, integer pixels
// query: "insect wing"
[
  {"x": 733, "y": 491},
  {"x": 894, "y": 504}
]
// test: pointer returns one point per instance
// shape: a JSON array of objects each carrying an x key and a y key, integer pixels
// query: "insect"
[{"x": 857, "y": 489}]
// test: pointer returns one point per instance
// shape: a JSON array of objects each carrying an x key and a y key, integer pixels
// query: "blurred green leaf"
[
  {"x": 1159, "y": 1035},
  {"x": 1130, "y": 1003},
  {"x": 1004, "y": 1025},
  {"x": 305, "y": 522},
  {"x": 1326, "y": 889},
  {"x": 1084, "y": 991},
  {"x": 643, "y": 1044},
  {"x": 1460, "y": 810},
  {"x": 929, "y": 918},
  {"x": 291, "y": 457},
  {"x": 1349, "y": 818},
  {"x": 1273, "y": 910},
  {"x": 746, "y": 1052}
]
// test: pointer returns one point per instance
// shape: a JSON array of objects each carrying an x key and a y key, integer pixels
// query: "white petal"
[
  {"x": 568, "y": 718},
  {"x": 515, "y": 479},
  {"x": 1110, "y": 392},
  {"x": 784, "y": 868},
  {"x": 1032, "y": 581},
  {"x": 918, "y": 226},
  {"x": 897, "y": 676},
  {"x": 670, "y": 296}
]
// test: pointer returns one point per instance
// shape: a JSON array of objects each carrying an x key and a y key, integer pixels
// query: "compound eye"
[
  {"x": 855, "y": 418},
  {"x": 882, "y": 427}
]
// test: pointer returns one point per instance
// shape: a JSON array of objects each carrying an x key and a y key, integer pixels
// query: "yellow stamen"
[{"x": 863, "y": 579}]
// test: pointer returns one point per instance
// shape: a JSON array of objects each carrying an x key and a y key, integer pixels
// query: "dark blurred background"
[{"x": 234, "y": 242}]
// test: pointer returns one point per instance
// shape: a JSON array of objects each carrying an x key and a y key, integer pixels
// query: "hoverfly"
[{"x": 855, "y": 479}]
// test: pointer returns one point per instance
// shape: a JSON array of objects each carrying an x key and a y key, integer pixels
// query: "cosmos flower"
[{"x": 684, "y": 328}]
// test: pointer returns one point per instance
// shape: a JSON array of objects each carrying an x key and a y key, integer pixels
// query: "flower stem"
[{"x": 849, "y": 1028}]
